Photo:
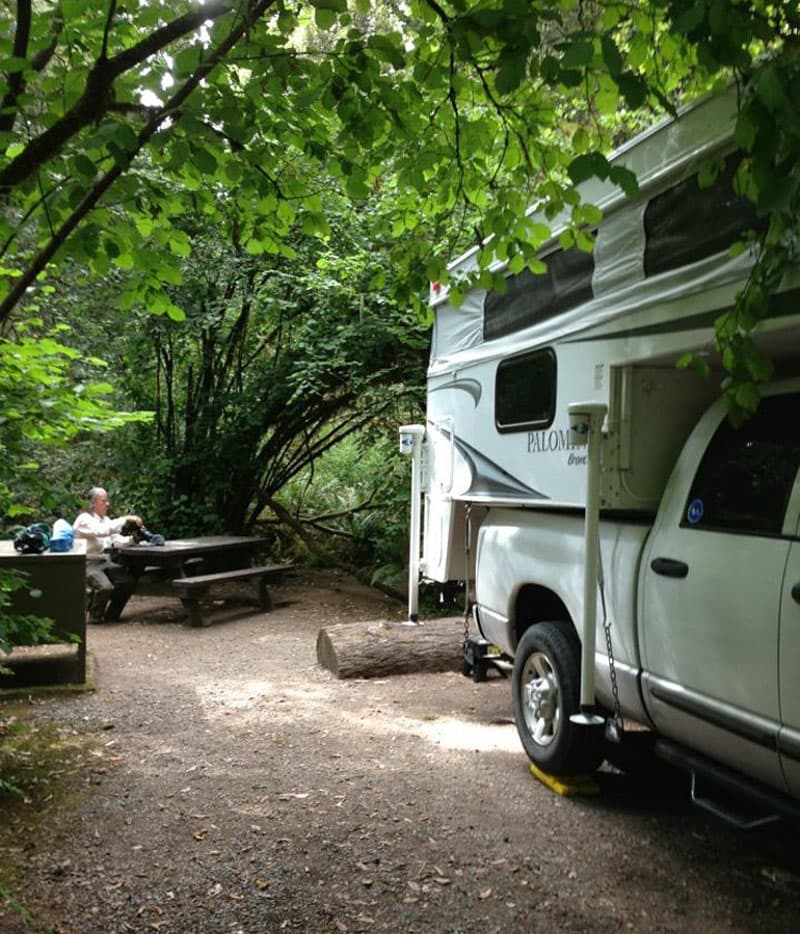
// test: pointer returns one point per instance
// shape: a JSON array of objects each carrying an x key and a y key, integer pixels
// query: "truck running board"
[{"x": 735, "y": 799}]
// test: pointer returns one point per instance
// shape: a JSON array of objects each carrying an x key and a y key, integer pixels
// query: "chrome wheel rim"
[{"x": 541, "y": 699}]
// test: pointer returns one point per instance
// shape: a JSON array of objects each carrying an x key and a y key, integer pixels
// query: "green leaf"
[
  {"x": 580, "y": 140},
  {"x": 770, "y": 89},
  {"x": 737, "y": 248},
  {"x": 588, "y": 165},
  {"x": 747, "y": 396},
  {"x": 690, "y": 19},
  {"x": 324, "y": 18},
  {"x": 180, "y": 244},
  {"x": 124, "y": 137},
  {"x": 204, "y": 160},
  {"x": 633, "y": 89},
  {"x": 578, "y": 54},
  {"x": 14, "y": 65},
  {"x": 254, "y": 247},
  {"x": 175, "y": 313},
  {"x": 517, "y": 263},
  {"x": 511, "y": 73},
  {"x": 626, "y": 180},
  {"x": 611, "y": 55},
  {"x": 84, "y": 166},
  {"x": 187, "y": 60},
  {"x": 709, "y": 172}
]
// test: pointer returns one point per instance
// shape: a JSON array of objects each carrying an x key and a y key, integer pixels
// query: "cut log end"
[{"x": 377, "y": 648}]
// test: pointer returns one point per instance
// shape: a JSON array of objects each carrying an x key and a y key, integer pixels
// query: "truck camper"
[{"x": 698, "y": 564}]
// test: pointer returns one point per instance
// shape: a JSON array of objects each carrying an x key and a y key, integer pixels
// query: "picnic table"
[{"x": 193, "y": 566}]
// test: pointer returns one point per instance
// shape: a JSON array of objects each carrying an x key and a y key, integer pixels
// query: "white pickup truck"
[
  {"x": 703, "y": 605},
  {"x": 698, "y": 522}
]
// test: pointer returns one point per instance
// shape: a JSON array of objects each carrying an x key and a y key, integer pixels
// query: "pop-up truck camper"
[{"x": 670, "y": 531}]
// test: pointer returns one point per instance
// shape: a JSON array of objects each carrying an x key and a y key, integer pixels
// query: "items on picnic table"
[
  {"x": 32, "y": 540},
  {"x": 37, "y": 538},
  {"x": 141, "y": 534}
]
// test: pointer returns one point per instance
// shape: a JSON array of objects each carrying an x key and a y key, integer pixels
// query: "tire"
[{"x": 545, "y": 690}]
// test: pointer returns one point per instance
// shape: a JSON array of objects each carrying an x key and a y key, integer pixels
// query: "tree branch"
[
  {"x": 16, "y": 83},
  {"x": 98, "y": 95},
  {"x": 112, "y": 9},
  {"x": 92, "y": 197}
]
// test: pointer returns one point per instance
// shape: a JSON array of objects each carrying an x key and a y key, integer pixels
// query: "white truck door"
[{"x": 712, "y": 582}]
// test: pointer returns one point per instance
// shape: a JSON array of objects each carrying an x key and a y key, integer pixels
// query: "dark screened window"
[
  {"x": 529, "y": 298},
  {"x": 525, "y": 391},
  {"x": 745, "y": 479},
  {"x": 687, "y": 223}
]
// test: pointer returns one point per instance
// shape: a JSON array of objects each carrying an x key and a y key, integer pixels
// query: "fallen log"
[{"x": 376, "y": 648}]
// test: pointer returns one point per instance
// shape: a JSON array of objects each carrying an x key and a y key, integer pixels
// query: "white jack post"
[
  {"x": 411, "y": 443},
  {"x": 586, "y": 422}
]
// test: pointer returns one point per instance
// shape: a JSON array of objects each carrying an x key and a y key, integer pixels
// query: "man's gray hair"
[{"x": 94, "y": 493}]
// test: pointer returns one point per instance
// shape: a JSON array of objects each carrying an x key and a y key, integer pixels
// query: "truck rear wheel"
[{"x": 545, "y": 689}]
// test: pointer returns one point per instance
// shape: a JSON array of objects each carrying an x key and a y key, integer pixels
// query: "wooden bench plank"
[
  {"x": 191, "y": 589},
  {"x": 198, "y": 580}
]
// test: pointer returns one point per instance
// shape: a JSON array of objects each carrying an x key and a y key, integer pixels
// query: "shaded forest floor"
[{"x": 218, "y": 780}]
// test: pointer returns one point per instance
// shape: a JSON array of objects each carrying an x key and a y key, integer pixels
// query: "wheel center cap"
[{"x": 541, "y": 699}]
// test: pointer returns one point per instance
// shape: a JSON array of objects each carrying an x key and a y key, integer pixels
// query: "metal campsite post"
[
  {"x": 411, "y": 443},
  {"x": 585, "y": 422}
]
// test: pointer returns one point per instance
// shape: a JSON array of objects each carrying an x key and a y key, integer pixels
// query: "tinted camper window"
[
  {"x": 687, "y": 223},
  {"x": 525, "y": 391},
  {"x": 529, "y": 299}
]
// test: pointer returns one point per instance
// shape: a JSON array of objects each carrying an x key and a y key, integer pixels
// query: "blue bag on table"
[{"x": 63, "y": 536}]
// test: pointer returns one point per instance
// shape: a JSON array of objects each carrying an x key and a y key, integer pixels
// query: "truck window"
[
  {"x": 525, "y": 391},
  {"x": 745, "y": 478}
]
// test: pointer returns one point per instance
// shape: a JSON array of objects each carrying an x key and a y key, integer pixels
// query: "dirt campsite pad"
[{"x": 219, "y": 780}]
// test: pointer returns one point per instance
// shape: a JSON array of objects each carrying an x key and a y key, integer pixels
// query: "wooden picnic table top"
[
  {"x": 175, "y": 552},
  {"x": 190, "y": 547}
]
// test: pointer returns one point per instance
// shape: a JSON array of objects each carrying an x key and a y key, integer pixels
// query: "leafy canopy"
[{"x": 120, "y": 119}]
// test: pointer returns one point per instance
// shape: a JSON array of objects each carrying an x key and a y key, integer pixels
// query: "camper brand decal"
[
  {"x": 471, "y": 386},
  {"x": 557, "y": 439}
]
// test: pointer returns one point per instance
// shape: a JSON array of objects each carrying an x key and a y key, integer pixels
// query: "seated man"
[{"x": 110, "y": 583}]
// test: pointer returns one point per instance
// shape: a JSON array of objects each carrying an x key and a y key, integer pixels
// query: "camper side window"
[
  {"x": 745, "y": 479},
  {"x": 525, "y": 391},
  {"x": 686, "y": 223}
]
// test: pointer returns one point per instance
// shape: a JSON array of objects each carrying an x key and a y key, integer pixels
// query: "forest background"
[{"x": 219, "y": 220}]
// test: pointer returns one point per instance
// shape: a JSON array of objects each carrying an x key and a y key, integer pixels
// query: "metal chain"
[
  {"x": 612, "y": 668},
  {"x": 467, "y": 546}
]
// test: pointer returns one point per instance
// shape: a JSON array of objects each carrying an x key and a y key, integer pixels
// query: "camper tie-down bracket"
[{"x": 480, "y": 656}]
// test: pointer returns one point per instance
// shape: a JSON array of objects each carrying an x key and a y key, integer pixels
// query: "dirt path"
[{"x": 220, "y": 781}]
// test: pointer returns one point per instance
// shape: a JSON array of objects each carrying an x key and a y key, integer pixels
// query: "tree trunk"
[{"x": 374, "y": 649}]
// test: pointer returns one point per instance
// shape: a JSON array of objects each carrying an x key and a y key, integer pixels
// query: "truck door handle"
[
  {"x": 796, "y": 593},
  {"x": 669, "y": 567}
]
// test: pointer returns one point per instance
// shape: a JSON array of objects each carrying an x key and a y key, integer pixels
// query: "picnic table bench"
[{"x": 192, "y": 589}]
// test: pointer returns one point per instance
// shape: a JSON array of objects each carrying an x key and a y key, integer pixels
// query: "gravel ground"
[{"x": 218, "y": 780}]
